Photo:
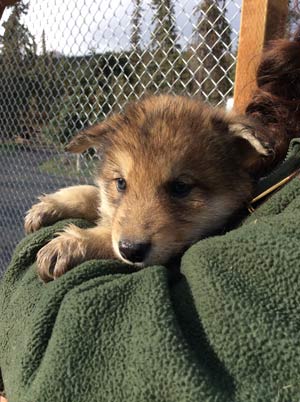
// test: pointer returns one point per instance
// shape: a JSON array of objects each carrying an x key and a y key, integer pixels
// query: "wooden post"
[{"x": 261, "y": 21}]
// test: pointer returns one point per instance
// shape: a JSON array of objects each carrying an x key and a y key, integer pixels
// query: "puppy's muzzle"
[{"x": 134, "y": 252}]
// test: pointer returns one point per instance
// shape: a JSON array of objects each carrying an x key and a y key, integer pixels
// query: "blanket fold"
[{"x": 227, "y": 329}]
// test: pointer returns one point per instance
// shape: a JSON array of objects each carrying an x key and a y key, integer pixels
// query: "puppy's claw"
[
  {"x": 42, "y": 214},
  {"x": 59, "y": 256}
]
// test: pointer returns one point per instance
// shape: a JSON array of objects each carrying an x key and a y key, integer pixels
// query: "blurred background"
[{"x": 67, "y": 65}]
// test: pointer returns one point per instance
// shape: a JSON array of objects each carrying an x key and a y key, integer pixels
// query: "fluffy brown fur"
[
  {"x": 276, "y": 102},
  {"x": 172, "y": 171}
]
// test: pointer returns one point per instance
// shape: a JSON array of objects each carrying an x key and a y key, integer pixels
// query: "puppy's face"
[{"x": 172, "y": 172}]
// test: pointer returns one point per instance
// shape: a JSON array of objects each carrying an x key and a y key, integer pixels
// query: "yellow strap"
[{"x": 271, "y": 190}]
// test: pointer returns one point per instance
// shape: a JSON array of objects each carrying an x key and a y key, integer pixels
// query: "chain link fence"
[{"x": 66, "y": 65}]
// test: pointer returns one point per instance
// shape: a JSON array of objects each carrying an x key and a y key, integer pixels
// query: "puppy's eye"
[
  {"x": 179, "y": 188},
  {"x": 121, "y": 184}
]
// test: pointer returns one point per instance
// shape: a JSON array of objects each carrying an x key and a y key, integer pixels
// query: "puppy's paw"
[
  {"x": 59, "y": 256},
  {"x": 42, "y": 214}
]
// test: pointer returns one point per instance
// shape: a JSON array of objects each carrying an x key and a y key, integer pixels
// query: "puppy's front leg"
[
  {"x": 70, "y": 202},
  {"x": 72, "y": 247}
]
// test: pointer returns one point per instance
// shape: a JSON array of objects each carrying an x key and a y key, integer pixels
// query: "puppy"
[{"x": 172, "y": 171}]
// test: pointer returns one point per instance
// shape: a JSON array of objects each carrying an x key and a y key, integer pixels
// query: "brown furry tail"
[{"x": 276, "y": 102}]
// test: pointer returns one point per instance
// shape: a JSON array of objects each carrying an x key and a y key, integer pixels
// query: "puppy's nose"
[{"x": 134, "y": 252}]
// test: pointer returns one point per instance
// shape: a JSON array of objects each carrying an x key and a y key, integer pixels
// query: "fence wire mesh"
[{"x": 66, "y": 65}]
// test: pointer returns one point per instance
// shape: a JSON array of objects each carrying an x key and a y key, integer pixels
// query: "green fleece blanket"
[{"x": 227, "y": 329}]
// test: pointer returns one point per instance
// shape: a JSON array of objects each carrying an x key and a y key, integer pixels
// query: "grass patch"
[
  {"x": 66, "y": 167},
  {"x": 10, "y": 147}
]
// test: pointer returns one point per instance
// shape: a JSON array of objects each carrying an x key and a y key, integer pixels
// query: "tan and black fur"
[{"x": 172, "y": 171}]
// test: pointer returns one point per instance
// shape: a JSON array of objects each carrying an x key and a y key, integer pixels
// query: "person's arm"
[{"x": 3, "y": 4}]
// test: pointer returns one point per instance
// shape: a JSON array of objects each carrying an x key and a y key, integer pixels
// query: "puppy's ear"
[
  {"x": 248, "y": 139},
  {"x": 92, "y": 137}
]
